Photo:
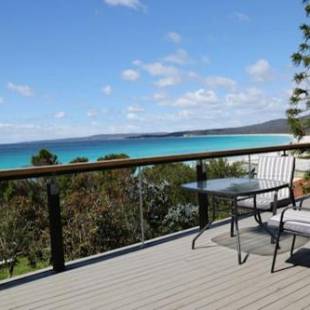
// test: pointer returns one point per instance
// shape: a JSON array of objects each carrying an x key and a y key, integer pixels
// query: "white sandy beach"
[{"x": 305, "y": 139}]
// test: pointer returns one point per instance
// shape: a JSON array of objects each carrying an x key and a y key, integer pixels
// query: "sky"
[{"x": 77, "y": 68}]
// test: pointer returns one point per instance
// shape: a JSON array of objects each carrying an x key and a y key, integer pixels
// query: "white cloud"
[
  {"x": 240, "y": 17},
  {"x": 254, "y": 100},
  {"x": 220, "y": 81},
  {"x": 131, "y": 116},
  {"x": 137, "y": 62},
  {"x": 159, "y": 97},
  {"x": 168, "y": 81},
  {"x": 133, "y": 113},
  {"x": 174, "y": 37},
  {"x": 107, "y": 90},
  {"x": 60, "y": 114},
  {"x": 130, "y": 75},
  {"x": 244, "y": 98},
  {"x": 170, "y": 75},
  {"x": 199, "y": 98},
  {"x": 92, "y": 113},
  {"x": 260, "y": 71},
  {"x": 206, "y": 60},
  {"x": 180, "y": 57},
  {"x": 213, "y": 81},
  {"x": 185, "y": 114},
  {"x": 158, "y": 69},
  {"x": 194, "y": 75},
  {"x": 23, "y": 90},
  {"x": 135, "y": 109},
  {"x": 132, "y": 4}
]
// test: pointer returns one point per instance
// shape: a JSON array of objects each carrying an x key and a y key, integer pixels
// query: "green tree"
[
  {"x": 221, "y": 168},
  {"x": 79, "y": 160},
  {"x": 14, "y": 236},
  {"x": 113, "y": 156},
  {"x": 24, "y": 232},
  {"x": 43, "y": 158},
  {"x": 300, "y": 98}
]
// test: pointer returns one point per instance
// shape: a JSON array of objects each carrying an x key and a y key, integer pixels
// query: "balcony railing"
[{"x": 53, "y": 198}]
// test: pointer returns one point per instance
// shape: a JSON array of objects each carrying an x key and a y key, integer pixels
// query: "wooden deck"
[{"x": 172, "y": 276}]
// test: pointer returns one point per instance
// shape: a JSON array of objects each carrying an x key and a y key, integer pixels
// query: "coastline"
[
  {"x": 238, "y": 135},
  {"x": 89, "y": 139}
]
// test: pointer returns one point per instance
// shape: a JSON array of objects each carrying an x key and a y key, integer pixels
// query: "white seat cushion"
[
  {"x": 294, "y": 220},
  {"x": 262, "y": 203}
]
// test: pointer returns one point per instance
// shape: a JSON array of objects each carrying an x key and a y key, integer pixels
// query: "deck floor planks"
[
  {"x": 150, "y": 281},
  {"x": 171, "y": 276},
  {"x": 230, "y": 288}
]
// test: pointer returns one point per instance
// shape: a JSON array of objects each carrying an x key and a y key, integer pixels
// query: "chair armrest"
[{"x": 245, "y": 197}]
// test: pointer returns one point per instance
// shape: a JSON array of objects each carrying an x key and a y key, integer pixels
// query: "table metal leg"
[
  {"x": 203, "y": 229},
  {"x": 199, "y": 234},
  {"x": 235, "y": 215},
  {"x": 232, "y": 233}
]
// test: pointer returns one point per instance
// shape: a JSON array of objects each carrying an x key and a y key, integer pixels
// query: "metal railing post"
[
  {"x": 249, "y": 166},
  {"x": 57, "y": 248},
  {"x": 202, "y": 198},
  {"x": 141, "y": 204}
]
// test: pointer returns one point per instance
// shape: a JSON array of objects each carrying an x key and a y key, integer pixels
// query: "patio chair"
[
  {"x": 280, "y": 168},
  {"x": 291, "y": 220}
]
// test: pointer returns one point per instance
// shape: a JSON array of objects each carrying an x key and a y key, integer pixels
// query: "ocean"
[{"x": 19, "y": 155}]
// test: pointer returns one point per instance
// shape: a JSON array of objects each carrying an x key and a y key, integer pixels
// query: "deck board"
[{"x": 171, "y": 276}]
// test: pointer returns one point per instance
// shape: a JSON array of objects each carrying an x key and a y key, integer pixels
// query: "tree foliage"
[
  {"x": 43, "y": 158},
  {"x": 298, "y": 119},
  {"x": 79, "y": 159},
  {"x": 221, "y": 168}
]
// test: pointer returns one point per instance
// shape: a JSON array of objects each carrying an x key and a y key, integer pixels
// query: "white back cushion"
[{"x": 280, "y": 168}]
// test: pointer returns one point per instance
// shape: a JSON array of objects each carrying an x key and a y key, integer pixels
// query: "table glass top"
[{"x": 235, "y": 186}]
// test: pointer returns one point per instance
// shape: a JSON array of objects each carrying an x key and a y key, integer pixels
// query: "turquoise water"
[{"x": 19, "y": 155}]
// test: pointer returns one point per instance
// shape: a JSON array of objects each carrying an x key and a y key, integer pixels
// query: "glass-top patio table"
[{"x": 236, "y": 189}]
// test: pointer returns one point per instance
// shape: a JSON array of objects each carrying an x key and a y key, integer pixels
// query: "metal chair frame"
[{"x": 281, "y": 229}]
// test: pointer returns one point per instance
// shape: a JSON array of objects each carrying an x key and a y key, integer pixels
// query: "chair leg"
[
  {"x": 275, "y": 203},
  {"x": 292, "y": 197},
  {"x": 256, "y": 218},
  {"x": 293, "y": 244},
  {"x": 260, "y": 221},
  {"x": 232, "y": 234},
  {"x": 276, "y": 251}
]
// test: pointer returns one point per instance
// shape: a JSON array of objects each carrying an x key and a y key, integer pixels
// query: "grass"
[{"x": 22, "y": 267}]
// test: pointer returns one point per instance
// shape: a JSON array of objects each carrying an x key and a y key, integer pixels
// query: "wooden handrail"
[{"x": 55, "y": 170}]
